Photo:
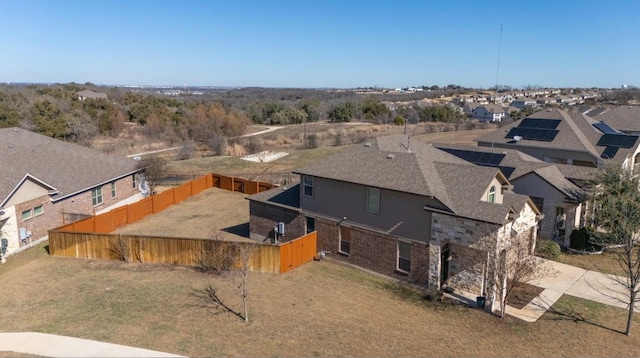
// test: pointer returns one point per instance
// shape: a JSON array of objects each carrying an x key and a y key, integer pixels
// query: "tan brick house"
[
  {"x": 46, "y": 181},
  {"x": 396, "y": 206}
]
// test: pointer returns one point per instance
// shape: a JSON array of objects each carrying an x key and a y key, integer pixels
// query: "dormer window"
[{"x": 492, "y": 194}]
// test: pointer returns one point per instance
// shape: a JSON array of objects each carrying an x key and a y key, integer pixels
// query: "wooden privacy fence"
[
  {"x": 109, "y": 221},
  {"x": 178, "y": 251},
  {"x": 90, "y": 238}
]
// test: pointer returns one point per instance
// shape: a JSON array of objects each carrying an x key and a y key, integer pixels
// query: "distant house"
[
  {"x": 572, "y": 138},
  {"x": 489, "y": 113},
  {"x": 554, "y": 188},
  {"x": 626, "y": 119},
  {"x": 521, "y": 103},
  {"x": 47, "y": 182},
  {"x": 404, "y": 209},
  {"x": 89, "y": 94}
]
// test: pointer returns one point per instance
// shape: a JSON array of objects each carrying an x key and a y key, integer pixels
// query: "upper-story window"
[
  {"x": 373, "y": 200},
  {"x": 96, "y": 196},
  {"x": 307, "y": 183},
  {"x": 113, "y": 189},
  {"x": 492, "y": 194}
]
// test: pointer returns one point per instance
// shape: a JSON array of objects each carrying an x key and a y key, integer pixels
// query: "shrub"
[
  {"x": 399, "y": 120},
  {"x": 579, "y": 239},
  {"x": 548, "y": 249}
]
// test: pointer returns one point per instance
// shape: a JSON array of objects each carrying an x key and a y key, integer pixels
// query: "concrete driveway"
[{"x": 573, "y": 281}]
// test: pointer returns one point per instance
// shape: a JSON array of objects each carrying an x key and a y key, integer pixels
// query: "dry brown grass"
[
  {"x": 606, "y": 262},
  {"x": 197, "y": 216},
  {"x": 319, "y": 309}
]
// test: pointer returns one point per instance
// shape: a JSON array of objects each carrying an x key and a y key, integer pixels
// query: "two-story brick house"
[{"x": 400, "y": 207}]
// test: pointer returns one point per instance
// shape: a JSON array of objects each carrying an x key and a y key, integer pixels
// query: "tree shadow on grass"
[
  {"x": 211, "y": 300},
  {"x": 567, "y": 312},
  {"x": 240, "y": 230}
]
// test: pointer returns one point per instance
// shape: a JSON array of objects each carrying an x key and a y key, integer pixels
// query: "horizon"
[{"x": 341, "y": 45}]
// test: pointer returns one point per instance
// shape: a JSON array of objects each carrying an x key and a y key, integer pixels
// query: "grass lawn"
[
  {"x": 319, "y": 309},
  {"x": 605, "y": 262},
  {"x": 197, "y": 217}
]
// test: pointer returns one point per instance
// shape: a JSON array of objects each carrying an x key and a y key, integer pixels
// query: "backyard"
[{"x": 321, "y": 308}]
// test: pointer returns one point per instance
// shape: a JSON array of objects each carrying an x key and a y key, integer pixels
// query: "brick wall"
[
  {"x": 373, "y": 250},
  {"x": 264, "y": 217},
  {"x": 52, "y": 215}
]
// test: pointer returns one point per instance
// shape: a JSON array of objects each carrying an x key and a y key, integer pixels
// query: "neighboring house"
[
  {"x": 404, "y": 209},
  {"x": 556, "y": 189},
  {"x": 47, "y": 182},
  {"x": 572, "y": 138},
  {"x": 489, "y": 112},
  {"x": 623, "y": 118},
  {"x": 521, "y": 103},
  {"x": 89, "y": 94}
]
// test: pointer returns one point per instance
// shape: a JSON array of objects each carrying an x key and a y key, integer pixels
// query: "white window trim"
[
  {"x": 114, "y": 192},
  {"x": 27, "y": 218},
  {"x": 41, "y": 212},
  {"x": 96, "y": 196},
  {"x": 491, "y": 197}
]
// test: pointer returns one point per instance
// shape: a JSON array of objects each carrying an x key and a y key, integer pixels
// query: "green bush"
[
  {"x": 579, "y": 239},
  {"x": 399, "y": 120},
  {"x": 548, "y": 249}
]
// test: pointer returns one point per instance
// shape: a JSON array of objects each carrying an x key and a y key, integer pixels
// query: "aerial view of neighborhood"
[{"x": 288, "y": 180}]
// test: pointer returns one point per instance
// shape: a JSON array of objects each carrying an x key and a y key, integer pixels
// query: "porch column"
[
  {"x": 434, "y": 265},
  {"x": 569, "y": 224}
]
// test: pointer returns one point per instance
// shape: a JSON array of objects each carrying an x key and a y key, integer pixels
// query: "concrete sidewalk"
[
  {"x": 573, "y": 281},
  {"x": 50, "y": 345}
]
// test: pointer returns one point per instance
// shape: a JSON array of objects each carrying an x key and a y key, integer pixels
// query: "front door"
[{"x": 444, "y": 264}]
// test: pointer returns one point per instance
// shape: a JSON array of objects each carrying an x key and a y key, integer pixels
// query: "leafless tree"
[
  {"x": 155, "y": 169},
  {"x": 616, "y": 197},
  {"x": 232, "y": 258},
  {"x": 505, "y": 262}
]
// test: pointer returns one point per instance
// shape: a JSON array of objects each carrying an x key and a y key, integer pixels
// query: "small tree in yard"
[
  {"x": 155, "y": 168},
  {"x": 616, "y": 197},
  {"x": 505, "y": 267},
  {"x": 232, "y": 258}
]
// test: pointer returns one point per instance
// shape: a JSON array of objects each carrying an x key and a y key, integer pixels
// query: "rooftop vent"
[
  {"x": 10, "y": 146},
  {"x": 391, "y": 156},
  {"x": 517, "y": 138},
  {"x": 367, "y": 144},
  {"x": 16, "y": 130}
]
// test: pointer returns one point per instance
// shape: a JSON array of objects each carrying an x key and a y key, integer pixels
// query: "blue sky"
[{"x": 305, "y": 43}]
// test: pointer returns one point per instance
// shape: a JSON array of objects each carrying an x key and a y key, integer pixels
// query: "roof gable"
[{"x": 66, "y": 167}]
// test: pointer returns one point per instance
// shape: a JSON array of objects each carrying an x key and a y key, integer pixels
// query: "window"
[
  {"x": 27, "y": 214},
  {"x": 345, "y": 240},
  {"x": 133, "y": 181},
  {"x": 38, "y": 210},
  {"x": 113, "y": 189},
  {"x": 311, "y": 224},
  {"x": 404, "y": 256},
  {"x": 308, "y": 185},
  {"x": 373, "y": 200},
  {"x": 96, "y": 196},
  {"x": 492, "y": 194}
]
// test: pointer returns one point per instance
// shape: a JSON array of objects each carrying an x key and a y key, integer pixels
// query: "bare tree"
[
  {"x": 234, "y": 259},
  {"x": 505, "y": 263},
  {"x": 616, "y": 198},
  {"x": 155, "y": 168}
]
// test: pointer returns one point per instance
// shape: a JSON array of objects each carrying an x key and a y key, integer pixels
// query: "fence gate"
[{"x": 297, "y": 252}]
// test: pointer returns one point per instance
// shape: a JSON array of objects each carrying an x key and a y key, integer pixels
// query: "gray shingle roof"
[
  {"x": 67, "y": 167},
  {"x": 281, "y": 196},
  {"x": 423, "y": 170},
  {"x": 624, "y": 118},
  {"x": 576, "y": 133}
]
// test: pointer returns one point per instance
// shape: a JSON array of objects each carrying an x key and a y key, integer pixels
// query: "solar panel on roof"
[
  {"x": 609, "y": 152},
  {"x": 604, "y": 128},
  {"x": 544, "y": 135},
  {"x": 539, "y": 123},
  {"x": 629, "y": 141},
  {"x": 473, "y": 158},
  {"x": 477, "y": 157}
]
